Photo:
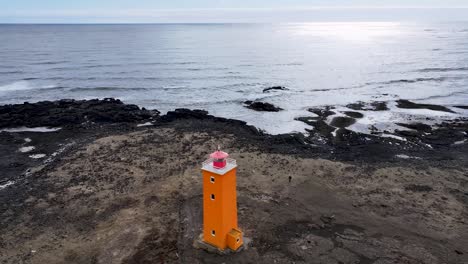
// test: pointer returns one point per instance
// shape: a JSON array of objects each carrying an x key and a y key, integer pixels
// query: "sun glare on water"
[{"x": 353, "y": 31}]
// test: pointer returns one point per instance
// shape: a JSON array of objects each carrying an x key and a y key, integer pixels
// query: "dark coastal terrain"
[{"x": 115, "y": 183}]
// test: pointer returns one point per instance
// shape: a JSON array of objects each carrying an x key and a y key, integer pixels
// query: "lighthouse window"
[
  {"x": 212, "y": 196},
  {"x": 212, "y": 179},
  {"x": 213, "y": 233}
]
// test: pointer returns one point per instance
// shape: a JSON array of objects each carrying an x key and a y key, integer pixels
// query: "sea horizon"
[{"x": 289, "y": 131}]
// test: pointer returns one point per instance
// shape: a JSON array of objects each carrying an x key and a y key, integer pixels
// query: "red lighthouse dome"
[{"x": 219, "y": 159}]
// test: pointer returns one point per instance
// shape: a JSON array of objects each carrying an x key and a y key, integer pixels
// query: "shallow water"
[{"x": 218, "y": 66}]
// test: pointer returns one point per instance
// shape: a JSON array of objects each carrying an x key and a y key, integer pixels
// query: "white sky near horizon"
[{"x": 201, "y": 11}]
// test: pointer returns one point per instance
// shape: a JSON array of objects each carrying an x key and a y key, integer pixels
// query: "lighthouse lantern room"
[
  {"x": 219, "y": 159},
  {"x": 220, "y": 202}
]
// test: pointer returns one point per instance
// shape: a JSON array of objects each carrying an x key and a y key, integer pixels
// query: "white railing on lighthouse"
[{"x": 208, "y": 165}]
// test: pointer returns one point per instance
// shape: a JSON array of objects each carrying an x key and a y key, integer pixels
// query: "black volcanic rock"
[
  {"x": 416, "y": 126},
  {"x": 199, "y": 117},
  {"x": 69, "y": 112},
  {"x": 342, "y": 121},
  {"x": 262, "y": 106},
  {"x": 373, "y": 106},
  {"x": 410, "y": 105},
  {"x": 323, "y": 128},
  {"x": 356, "y": 106},
  {"x": 408, "y": 133},
  {"x": 379, "y": 106},
  {"x": 353, "y": 114},
  {"x": 461, "y": 106},
  {"x": 319, "y": 122},
  {"x": 323, "y": 113},
  {"x": 274, "y": 88},
  {"x": 183, "y": 113}
]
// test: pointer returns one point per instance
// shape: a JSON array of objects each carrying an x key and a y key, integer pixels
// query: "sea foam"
[
  {"x": 22, "y": 86},
  {"x": 31, "y": 129}
]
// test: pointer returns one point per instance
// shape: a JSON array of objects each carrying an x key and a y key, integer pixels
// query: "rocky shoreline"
[
  {"x": 104, "y": 164},
  {"x": 75, "y": 113}
]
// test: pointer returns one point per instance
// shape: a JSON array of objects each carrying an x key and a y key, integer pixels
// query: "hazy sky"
[{"x": 148, "y": 11}]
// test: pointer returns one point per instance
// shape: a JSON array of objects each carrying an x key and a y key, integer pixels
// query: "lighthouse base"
[{"x": 199, "y": 243}]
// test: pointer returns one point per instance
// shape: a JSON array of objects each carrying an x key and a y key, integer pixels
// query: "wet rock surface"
[
  {"x": 342, "y": 121},
  {"x": 318, "y": 122},
  {"x": 272, "y": 88},
  {"x": 411, "y": 105},
  {"x": 411, "y": 138},
  {"x": 262, "y": 106},
  {"x": 322, "y": 113},
  {"x": 72, "y": 113},
  {"x": 417, "y": 126},
  {"x": 373, "y": 106},
  {"x": 353, "y": 114}
]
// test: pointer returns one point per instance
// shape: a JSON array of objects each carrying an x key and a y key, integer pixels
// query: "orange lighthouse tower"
[{"x": 220, "y": 202}]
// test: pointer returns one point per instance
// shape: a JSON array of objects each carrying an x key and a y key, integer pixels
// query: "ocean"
[{"x": 217, "y": 67}]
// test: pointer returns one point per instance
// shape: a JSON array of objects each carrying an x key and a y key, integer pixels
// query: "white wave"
[
  {"x": 30, "y": 129},
  {"x": 145, "y": 124},
  {"x": 387, "y": 120},
  {"x": 26, "y": 149},
  {"x": 16, "y": 86},
  {"x": 8, "y": 183},
  {"x": 393, "y": 136},
  {"x": 22, "y": 86},
  {"x": 37, "y": 156},
  {"x": 404, "y": 156}
]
